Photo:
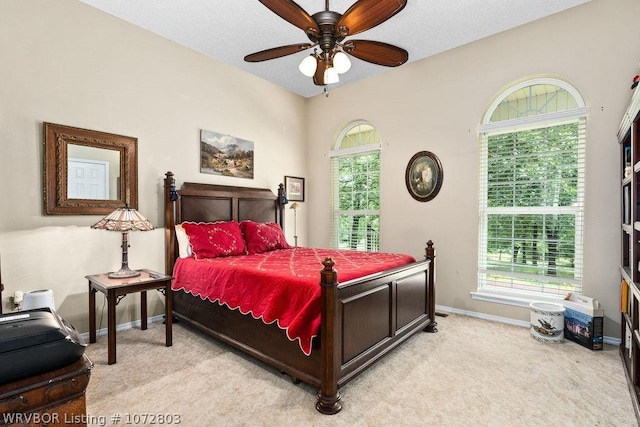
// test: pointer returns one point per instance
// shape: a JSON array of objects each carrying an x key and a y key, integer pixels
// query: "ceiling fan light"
[
  {"x": 308, "y": 66},
  {"x": 341, "y": 62},
  {"x": 331, "y": 76}
]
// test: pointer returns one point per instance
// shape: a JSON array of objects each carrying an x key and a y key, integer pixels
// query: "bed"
[{"x": 360, "y": 319}]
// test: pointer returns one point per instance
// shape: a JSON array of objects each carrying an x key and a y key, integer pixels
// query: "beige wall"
[
  {"x": 436, "y": 105},
  {"x": 67, "y": 63}
]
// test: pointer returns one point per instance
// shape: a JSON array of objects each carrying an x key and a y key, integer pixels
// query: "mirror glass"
[
  {"x": 92, "y": 173},
  {"x": 88, "y": 172}
]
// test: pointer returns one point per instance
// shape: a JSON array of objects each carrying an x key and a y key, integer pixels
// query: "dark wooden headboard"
[{"x": 210, "y": 203}]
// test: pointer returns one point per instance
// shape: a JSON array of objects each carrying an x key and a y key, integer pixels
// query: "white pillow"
[{"x": 184, "y": 246}]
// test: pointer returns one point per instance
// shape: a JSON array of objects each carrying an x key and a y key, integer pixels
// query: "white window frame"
[
  {"x": 510, "y": 296},
  {"x": 333, "y": 156}
]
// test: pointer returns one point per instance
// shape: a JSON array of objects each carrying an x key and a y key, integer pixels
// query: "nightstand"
[{"x": 115, "y": 290}]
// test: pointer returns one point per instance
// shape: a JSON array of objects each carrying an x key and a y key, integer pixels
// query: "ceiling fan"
[{"x": 328, "y": 29}]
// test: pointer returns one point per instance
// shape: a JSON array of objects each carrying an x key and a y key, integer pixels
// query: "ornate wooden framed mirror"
[{"x": 88, "y": 172}]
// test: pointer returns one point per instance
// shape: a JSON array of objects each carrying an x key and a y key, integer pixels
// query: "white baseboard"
[
  {"x": 124, "y": 326},
  {"x": 507, "y": 320}
]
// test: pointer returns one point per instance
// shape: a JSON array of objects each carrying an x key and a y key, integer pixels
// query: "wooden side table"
[{"x": 115, "y": 290}]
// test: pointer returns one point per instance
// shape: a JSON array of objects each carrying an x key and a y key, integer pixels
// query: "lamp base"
[{"x": 123, "y": 273}]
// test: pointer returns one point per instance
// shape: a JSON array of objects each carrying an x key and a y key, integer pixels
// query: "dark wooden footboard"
[
  {"x": 364, "y": 319},
  {"x": 361, "y": 320}
]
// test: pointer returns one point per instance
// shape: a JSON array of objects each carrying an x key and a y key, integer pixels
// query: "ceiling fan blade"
[
  {"x": 366, "y": 14},
  {"x": 318, "y": 77},
  {"x": 277, "y": 52},
  {"x": 293, "y": 13},
  {"x": 377, "y": 52}
]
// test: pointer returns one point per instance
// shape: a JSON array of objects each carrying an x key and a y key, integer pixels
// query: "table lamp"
[{"x": 124, "y": 220}]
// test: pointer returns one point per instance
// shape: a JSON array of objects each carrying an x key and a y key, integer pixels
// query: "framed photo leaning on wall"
[{"x": 294, "y": 186}]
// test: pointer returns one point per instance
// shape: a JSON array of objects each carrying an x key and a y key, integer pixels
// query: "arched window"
[
  {"x": 532, "y": 144},
  {"x": 355, "y": 183}
]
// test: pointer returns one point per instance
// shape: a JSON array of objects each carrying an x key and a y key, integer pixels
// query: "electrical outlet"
[{"x": 17, "y": 298}]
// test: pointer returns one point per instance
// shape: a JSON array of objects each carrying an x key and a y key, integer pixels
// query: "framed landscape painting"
[{"x": 225, "y": 155}]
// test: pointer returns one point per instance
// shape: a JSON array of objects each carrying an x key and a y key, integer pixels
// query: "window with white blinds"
[
  {"x": 355, "y": 177},
  {"x": 532, "y": 192}
]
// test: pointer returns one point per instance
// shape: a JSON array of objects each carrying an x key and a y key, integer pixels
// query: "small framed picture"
[
  {"x": 424, "y": 176},
  {"x": 294, "y": 186}
]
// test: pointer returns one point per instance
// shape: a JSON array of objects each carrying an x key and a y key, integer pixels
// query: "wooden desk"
[
  {"x": 55, "y": 398},
  {"x": 115, "y": 290}
]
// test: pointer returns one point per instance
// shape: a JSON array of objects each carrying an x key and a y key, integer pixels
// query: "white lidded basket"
[{"x": 547, "y": 322}]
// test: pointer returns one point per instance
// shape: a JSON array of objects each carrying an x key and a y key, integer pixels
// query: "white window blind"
[
  {"x": 532, "y": 209},
  {"x": 355, "y": 176}
]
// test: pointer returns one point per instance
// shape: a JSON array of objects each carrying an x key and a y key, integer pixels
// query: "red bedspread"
[{"x": 278, "y": 286}]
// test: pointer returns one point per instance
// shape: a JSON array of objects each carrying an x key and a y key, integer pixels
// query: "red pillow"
[
  {"x": 263, "y": 236},
  {"x": 214, "y": 239}
]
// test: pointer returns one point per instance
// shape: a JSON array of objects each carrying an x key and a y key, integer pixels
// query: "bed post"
[
  {"x": 170, "y": 195},
  {"x": 430, "y": 254},
  {"x": 282, "y": 200},
  {"x": 328, "y": 397}
]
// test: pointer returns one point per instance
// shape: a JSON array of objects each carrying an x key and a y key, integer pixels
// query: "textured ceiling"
[{"x": 227, "y": 30}]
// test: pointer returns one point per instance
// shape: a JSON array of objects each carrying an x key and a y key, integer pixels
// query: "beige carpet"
[{"x": 471, "y": 373}]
